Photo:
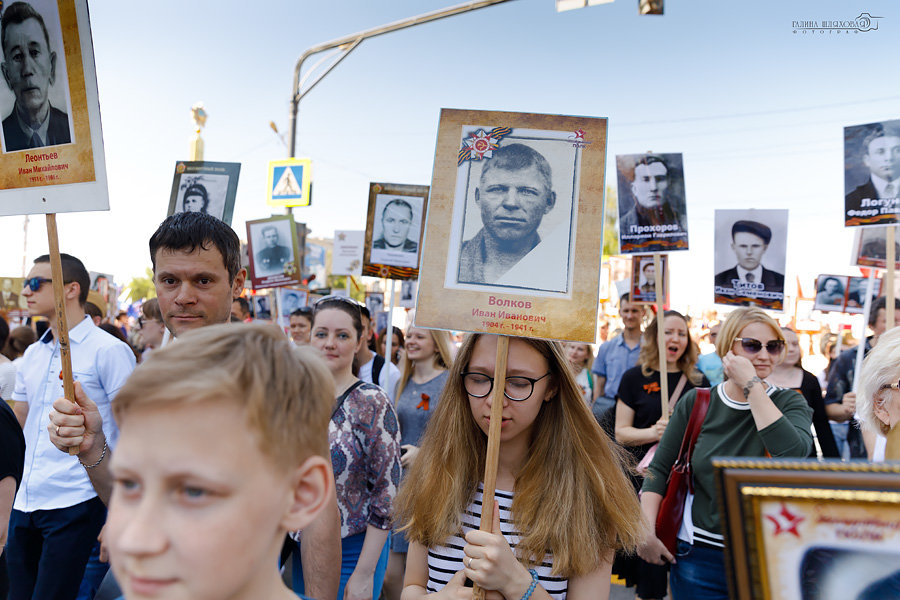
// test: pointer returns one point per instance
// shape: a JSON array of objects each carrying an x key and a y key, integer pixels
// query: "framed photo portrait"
[
  {"x": 394, "y": 229},
  {"x": 262, "y": 306},
  {"x": 11, "y": 298},
  {"x": 273, "y": 252},
  {"x": 206, "y": 187},
  {"x": 290, "y": 299},
  {"x": 408, "y": 291},
  {"x": 870, "y": 247},
  {"x": 643, "y": 279},
  {"x": 347, "y": 254},
  {"x": 856, "y": 294},
  {"x": 652, "y": 207},
  {"x": 872, "y": 174},
  {"x": 375, "y": 302},
  {"x": 514, "y": 231},
  {"x": 750, "y": 257},
  {"x": 831, "y": 292},
  {"x": 58, "y": 89},
  {"x": 810, "y": 530}
]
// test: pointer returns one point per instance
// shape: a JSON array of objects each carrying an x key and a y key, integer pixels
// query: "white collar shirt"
[
  {"x": 757, "y": 273},
  {"x": 53, "y": 479},
  {"x": 881, "y": 183}
]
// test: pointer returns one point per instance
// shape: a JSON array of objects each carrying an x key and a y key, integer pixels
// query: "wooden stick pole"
[
  {"x": 493, "y": 446},
  {"x": 62, "y": 326},
  {"x": 661, "y": 335},
  {"x": 389, "y": 337},
  {"x": 890, "y": 264}
]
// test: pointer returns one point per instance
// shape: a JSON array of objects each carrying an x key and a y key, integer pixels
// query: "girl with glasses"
[
  {"x": 563, "y": 503},
  {"x": 640, "y": 423},
  {"x": 746, "y": 417}
]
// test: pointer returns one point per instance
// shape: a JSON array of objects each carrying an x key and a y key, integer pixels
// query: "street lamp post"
[{"x": 347, "y": 44}]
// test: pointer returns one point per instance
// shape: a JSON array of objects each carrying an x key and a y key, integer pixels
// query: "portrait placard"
[
  {"x": 273, "y": 252},
  {"x": 643, "y": 279},
  {"x": 408, "y": 291},
  {"x": 872, "y": 174},
  {"x": 810, "y": 530},
  {"x": 51, "y": 148},
  {"x": 515, "y": 225},
  {"x": 840, "y": 293},
  {"x": 750, "y": 256},
  {"x": 207, "y": 187},
  {"x": 652, "y": 207},
  {"x": 12, "y": 302},
  {"x": 375, "y": 303},
  {"x": 262, "y": 306},
  {"x": 347, "y": 255},
  {"x": 870, "y": 247},
  {"x": 289, "y": 300},
  {"x": 394, "y": 230}
]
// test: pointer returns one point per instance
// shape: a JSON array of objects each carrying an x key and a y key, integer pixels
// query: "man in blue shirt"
[
  {"x": 616, "y": 356},
  {"x": 57, "y": 515}
]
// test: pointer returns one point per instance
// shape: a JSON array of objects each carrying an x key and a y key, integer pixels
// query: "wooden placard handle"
[
  {"x": 493, "y": 446},
  {"x": 62, "y": 326},
  {"x": 890, "y": 264},
  {"x": 661, "y": 335}
]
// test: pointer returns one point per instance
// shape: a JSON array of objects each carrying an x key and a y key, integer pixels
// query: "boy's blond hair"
[{"x": 287, "y": 393}]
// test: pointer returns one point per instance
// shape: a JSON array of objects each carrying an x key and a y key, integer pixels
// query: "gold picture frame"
[{"x": 809, "y": 530}]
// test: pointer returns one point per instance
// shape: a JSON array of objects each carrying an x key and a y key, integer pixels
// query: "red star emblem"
[
  {"x": 785, "y": 521},
  {"x": 579, "y": 134},
  {"x": 481, "y": 144}
]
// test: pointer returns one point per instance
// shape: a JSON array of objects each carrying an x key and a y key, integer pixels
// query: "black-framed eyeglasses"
[
  {"x": 753, "y": 346},
  {"x": 517, "y": 388},
  {"x": 143, "y": 321},
  {"x": 35, "y": 283}
]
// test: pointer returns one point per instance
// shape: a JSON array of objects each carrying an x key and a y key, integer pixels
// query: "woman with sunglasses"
[
  {"x": 365, "y": 453},
  {"x": 746, "y": 417},
  {"x": 563, "y": 503},
  {"x": 640, "y": 424},
  {"x": 791, "y": 374}
]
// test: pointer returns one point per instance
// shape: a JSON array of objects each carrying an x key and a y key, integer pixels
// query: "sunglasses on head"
[
  {"x": 753, "y": 346},
  {"x": 35, "y": 283}
]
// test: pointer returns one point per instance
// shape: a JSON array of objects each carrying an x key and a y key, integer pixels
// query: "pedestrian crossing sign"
[{"x": 289, "y": 181}]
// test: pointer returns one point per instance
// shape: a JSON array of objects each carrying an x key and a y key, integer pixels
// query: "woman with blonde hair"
[
  {"x": 563, "y": 503},
  {"x": 640, "y": 423},
  {"x": 424, "y": 373},
  {"x": 581, "y": 357},
  {"x": 745, "y": 417},
  {"x": 878, "y": 399}
]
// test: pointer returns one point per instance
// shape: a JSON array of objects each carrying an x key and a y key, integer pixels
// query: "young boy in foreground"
[{"x": 223, "y": 450}]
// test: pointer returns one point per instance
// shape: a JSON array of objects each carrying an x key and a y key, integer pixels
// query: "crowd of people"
[{"x": 205, "y": 456}]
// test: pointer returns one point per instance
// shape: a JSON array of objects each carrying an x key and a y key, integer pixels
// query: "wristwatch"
[{"x": 753, "y": 381}]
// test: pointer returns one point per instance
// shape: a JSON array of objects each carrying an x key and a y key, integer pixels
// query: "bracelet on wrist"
[
  {"x": 534, "y": 582},
  {"x": 99, "y": 460}
]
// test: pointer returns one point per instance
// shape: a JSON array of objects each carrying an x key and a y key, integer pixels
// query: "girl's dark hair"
[{"x": 19, "y": 339}]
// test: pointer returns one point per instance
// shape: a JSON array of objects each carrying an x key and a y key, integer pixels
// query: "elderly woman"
[
  {"x": 746, "y": 417},
  {"x": 877, "y": 400}
]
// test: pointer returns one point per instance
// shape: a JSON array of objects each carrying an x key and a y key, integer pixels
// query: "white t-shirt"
[{"x": 365, "y": 374}]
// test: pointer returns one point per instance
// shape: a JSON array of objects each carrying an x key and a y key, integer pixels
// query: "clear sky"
[{"x": 757, "y": 110}]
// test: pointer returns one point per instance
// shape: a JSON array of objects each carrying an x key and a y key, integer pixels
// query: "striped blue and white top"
[{"x": 444, "y": 561}]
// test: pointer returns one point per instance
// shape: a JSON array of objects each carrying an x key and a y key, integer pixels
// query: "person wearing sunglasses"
[
  {"x": 57, "y": 514},
  {"x": 151, "y": 325},
  {"x": 746, "y": 417},
  {"x": 563, "y": 504}
]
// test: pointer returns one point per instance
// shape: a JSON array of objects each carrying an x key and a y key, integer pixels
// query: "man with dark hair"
[
  {"x": 615, "y": 357},
  {"x": 240, "y": 310},
  {"x": 57, "y": 514},
  {"x": 881, "y": 155},
  {"x": 651, "y": 201},
  {"x": 396, "y": 220},
  {"x": 271, "y": 259},
  {"x": 749, "y": 241},
  {"x": 29, "y": 68},
  {"x": 195, "y": 199},
  {"x": 514, "y": 193},
  {"x": 197, "y": 271},
  {"x": 840, "y": 399}
]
